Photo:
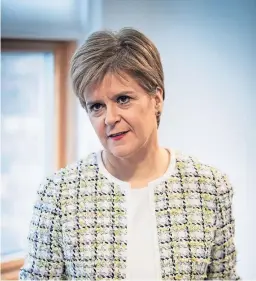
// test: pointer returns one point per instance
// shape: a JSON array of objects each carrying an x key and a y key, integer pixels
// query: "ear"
[{"x": 158, "y": 99}]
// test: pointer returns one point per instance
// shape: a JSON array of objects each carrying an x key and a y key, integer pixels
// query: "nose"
[{"x": 112, "y": 116}]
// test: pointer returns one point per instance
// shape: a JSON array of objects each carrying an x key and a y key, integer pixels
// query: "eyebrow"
[{"x": 89, "y": 103}]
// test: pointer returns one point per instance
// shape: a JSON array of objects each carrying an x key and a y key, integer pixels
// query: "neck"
[{"x": 149, "y": 163}]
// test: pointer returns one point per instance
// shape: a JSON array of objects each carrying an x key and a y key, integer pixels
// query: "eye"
[
  {"x": 95, "y": 107},
  {"x": 123, "y": 99}
]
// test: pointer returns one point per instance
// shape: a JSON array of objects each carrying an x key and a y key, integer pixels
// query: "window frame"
[{"x": 65, "y": 109}]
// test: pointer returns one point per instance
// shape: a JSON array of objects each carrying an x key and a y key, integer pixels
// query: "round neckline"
[{"x": 109, "y": 176}]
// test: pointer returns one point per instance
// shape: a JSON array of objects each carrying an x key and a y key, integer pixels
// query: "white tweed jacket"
[{"x": 79, "y": 226}]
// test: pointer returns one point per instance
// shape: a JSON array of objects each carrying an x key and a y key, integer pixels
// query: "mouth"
[{"x": 118, "y": 135}]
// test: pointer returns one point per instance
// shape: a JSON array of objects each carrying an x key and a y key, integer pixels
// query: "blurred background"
[{"x": 208, "y": 53}]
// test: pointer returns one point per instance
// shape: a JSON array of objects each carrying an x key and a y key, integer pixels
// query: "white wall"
[
  {"x": 44, "y": 19},
  {"x": 207, "y": 54}
]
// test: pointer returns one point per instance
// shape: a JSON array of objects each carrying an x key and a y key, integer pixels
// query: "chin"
[{"x": 122, "y": 151}]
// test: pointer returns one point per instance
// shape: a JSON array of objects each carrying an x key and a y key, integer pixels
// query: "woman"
[{"x": 135, "y": 210}]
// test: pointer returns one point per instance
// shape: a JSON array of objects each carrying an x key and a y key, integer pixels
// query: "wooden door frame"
[{"x": 65, "y": 110}]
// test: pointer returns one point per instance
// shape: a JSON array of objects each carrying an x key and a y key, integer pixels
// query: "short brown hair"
[{"x": 127, "y": 51}]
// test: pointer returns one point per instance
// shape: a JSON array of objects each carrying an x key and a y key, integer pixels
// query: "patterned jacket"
[{"x": 79, "y": 225}]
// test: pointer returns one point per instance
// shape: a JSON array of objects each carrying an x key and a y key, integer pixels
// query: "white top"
[{"x": 143, "y": 260}]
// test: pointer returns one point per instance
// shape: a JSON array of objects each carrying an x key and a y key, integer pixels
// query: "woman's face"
[{"x": 123, "y": 115}]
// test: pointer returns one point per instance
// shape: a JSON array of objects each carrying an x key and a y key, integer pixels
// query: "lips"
[{"x": 118, "y": 134}]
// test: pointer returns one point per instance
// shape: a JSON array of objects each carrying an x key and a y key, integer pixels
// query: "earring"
[{"x": 158, "y": 113}]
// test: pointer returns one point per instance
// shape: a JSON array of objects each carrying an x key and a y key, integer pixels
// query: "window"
[
  {"x": 35, "y": 106},
  {"x": 27, "y": 111}
]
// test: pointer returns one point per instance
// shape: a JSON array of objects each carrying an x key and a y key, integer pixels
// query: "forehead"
[{"x": 113, "y": 84}]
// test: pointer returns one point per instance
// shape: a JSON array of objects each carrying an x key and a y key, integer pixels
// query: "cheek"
[
  {"x": 149, "y": 112},
  {"x": 143, "y": 114},
  {"x": 143, "y": 123},
  {"x": 98, "y": 126},
  {"x": 148, "y": 116}
]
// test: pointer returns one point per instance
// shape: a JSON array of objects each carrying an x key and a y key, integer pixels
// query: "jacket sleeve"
[
  {"x": 45, "y": 258},
  {"x": 223, "y": 256}
]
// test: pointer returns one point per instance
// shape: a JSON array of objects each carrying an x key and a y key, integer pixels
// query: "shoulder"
[
  {"x": 69, "y": 176},
  {"x": 188, "y": 165},
  {"x": 74, "y": 171}
]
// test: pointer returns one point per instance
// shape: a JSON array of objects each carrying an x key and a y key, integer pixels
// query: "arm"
[
  {"x": 223, "y": 257},
  {"x": 45, "y": 259}
]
